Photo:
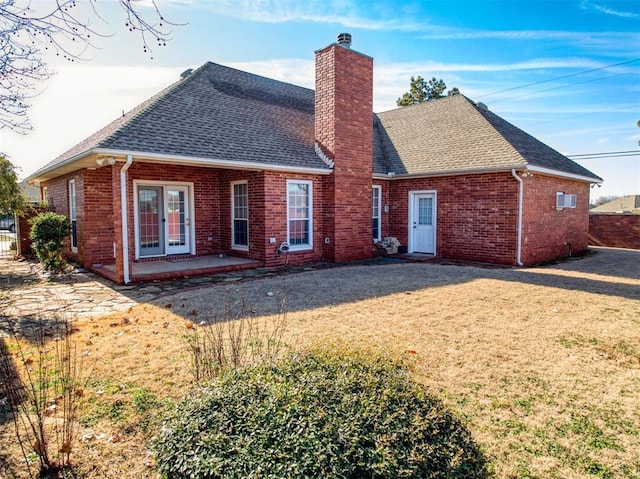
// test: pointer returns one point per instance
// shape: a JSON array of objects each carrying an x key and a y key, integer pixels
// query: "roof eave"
[
  {"x": 480, "y": 171},
  {"x": 210, "y": 162},
  {"x": 74, "y": 163},
  {"x": 564, "y": 174},
  {"x": 468, "y": 171},
  {"x": 43, "y": 174}
]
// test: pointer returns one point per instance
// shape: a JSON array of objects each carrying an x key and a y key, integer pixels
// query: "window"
[
  {"x": 565, "y": 200},
  {"x": 240, "y": 215},
  {"x": 375, "y": 221},
  {"x": 299, "y": 214},
  {"x": 72, "y": 215}
]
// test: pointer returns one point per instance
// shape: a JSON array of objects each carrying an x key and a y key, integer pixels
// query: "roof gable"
[
  {"x": 453, "y": 135},
  {"x": 216, "y": 113}
]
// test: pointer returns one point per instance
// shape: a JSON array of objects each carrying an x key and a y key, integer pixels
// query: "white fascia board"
[
  {"x": 43, "y": 172},
  {"x": 563, "y": 174},
  {"x": 194, "y": 161},
  {"x": 480, "y": 171},
  {"x": 474, "y": 171}
]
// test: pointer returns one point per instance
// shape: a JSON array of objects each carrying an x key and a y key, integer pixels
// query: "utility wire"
[
  {"x": 604, "y": 153},
  {"x": 559, "y": 78},
  {"x": 559, "y": 87},
  {"x": 583, "y": 114},
  {"x": 602, "y": 156}
]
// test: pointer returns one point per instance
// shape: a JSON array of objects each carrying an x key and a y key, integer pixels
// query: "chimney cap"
[{"x": 344, "y": 39}]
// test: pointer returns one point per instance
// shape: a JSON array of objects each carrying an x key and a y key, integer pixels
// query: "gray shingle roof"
[
  {"x": 220, "y": 113},
  {"x": 217, "y": 113},
  {"x": 453, "y": 135}
]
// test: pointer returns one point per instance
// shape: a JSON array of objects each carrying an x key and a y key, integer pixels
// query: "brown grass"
[{"x": 543, "y": 365}]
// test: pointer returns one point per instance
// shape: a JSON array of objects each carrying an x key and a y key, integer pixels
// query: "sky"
[{"x": 565, "y": 71}]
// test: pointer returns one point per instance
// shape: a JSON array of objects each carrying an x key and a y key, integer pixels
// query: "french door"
[{"x": 163, "y": 224}]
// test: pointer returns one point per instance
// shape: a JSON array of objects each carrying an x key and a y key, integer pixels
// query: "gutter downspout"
[
  {"x": 520, "y": 193},
  {"x": 125, "y": 227}
]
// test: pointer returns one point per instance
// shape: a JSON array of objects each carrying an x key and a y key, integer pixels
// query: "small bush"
[
  {"x": 315, "y": 415},
  {"x": 48, "y": 231}
]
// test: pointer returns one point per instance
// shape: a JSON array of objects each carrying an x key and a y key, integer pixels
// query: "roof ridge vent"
[
  {"x": 482, "y": 106},
  {"x": 344, "y": 39},
  {"x": 186, "y": 73}
]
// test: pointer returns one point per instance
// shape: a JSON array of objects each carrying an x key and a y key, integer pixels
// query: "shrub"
[
  {"x": 48, "y": 231},
  {"x": 318, "y": 414}
]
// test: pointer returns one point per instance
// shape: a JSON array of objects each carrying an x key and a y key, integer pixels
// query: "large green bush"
[
  {"x": 315, "y": 415},
  {"x": 48, "y": 231}
]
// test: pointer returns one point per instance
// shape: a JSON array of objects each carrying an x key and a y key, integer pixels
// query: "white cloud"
[
  {"x": 344, "y": 13},
  {"x": 586, "y": 5},
  {"x": 75, "y": 103}
]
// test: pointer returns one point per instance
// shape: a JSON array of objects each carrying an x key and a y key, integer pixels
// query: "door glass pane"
[
  {"x": 425, "y": 211},
  {"x": 176, "y": 217},
  {"x": 149, "y": 218}
]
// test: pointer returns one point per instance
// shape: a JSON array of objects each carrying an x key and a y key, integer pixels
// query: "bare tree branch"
[{"x": 27, "y": 34}]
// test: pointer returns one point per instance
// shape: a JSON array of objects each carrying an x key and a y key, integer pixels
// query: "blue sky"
[{"x": 490, "y": 50}]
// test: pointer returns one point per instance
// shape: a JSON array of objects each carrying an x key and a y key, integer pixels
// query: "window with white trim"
[
  {"x": 565, "y": 200},
  {"x": 240, "y": 215},
  {"x": 73, "y": 215},
  {"x": 299, "y": 214},
  {"x": 376, "y": 216}
]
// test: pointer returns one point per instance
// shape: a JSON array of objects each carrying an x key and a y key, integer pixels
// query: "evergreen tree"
[{"x": 421, "y": 91}]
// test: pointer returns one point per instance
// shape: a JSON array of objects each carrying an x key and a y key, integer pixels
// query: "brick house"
[{"x": 225, "y": 169}]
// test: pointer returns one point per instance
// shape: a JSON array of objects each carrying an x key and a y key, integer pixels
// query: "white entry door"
[
  {"x": 422, "y": 223},
  {"x": 163, "y": 220}
]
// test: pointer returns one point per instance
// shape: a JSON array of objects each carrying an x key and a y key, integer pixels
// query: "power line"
[
  {"x": 583, "y": 114},
  {"x": 603, "y": 155},
  {"x": 559, "y": 78},
  {"x": 559, "y": 87}
]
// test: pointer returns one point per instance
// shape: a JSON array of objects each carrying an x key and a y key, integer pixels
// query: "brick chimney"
[{"x": 344, "y": 133}]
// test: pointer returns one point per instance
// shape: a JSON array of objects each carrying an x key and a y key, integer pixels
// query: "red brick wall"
[
  {"x": 547, "y": 231},
  {"x": 476, "y": 215},
  {"x": 614, "y": 230},
  {"x": 95, "y": 218},
  {"x": 344, "y": 130},
  {"x": 275, "y": 219}
]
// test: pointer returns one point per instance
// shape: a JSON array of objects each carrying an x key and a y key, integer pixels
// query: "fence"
[
  {"x": 614, "y": 230},
  {"x": 8, "y": 236}
]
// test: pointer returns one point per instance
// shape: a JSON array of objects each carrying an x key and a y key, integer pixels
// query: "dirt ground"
[{"x": 542, "y": 364}]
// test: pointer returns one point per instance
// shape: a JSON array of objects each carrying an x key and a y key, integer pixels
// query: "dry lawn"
[{"x": 542, "y": 364}]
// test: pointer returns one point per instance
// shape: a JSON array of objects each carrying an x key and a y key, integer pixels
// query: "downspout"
[
  {"x": 520, "y": 190},
  {"x": 125, "y": 227}
]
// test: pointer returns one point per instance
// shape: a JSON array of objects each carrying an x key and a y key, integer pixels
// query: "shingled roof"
[
  {"x": 220, "y": 114},
  {"x": 454, "y": 135},
  {"x": 216, "y": 113}
]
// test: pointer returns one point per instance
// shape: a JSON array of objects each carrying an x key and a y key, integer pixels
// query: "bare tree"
[{"x": 61, "y": 26}]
